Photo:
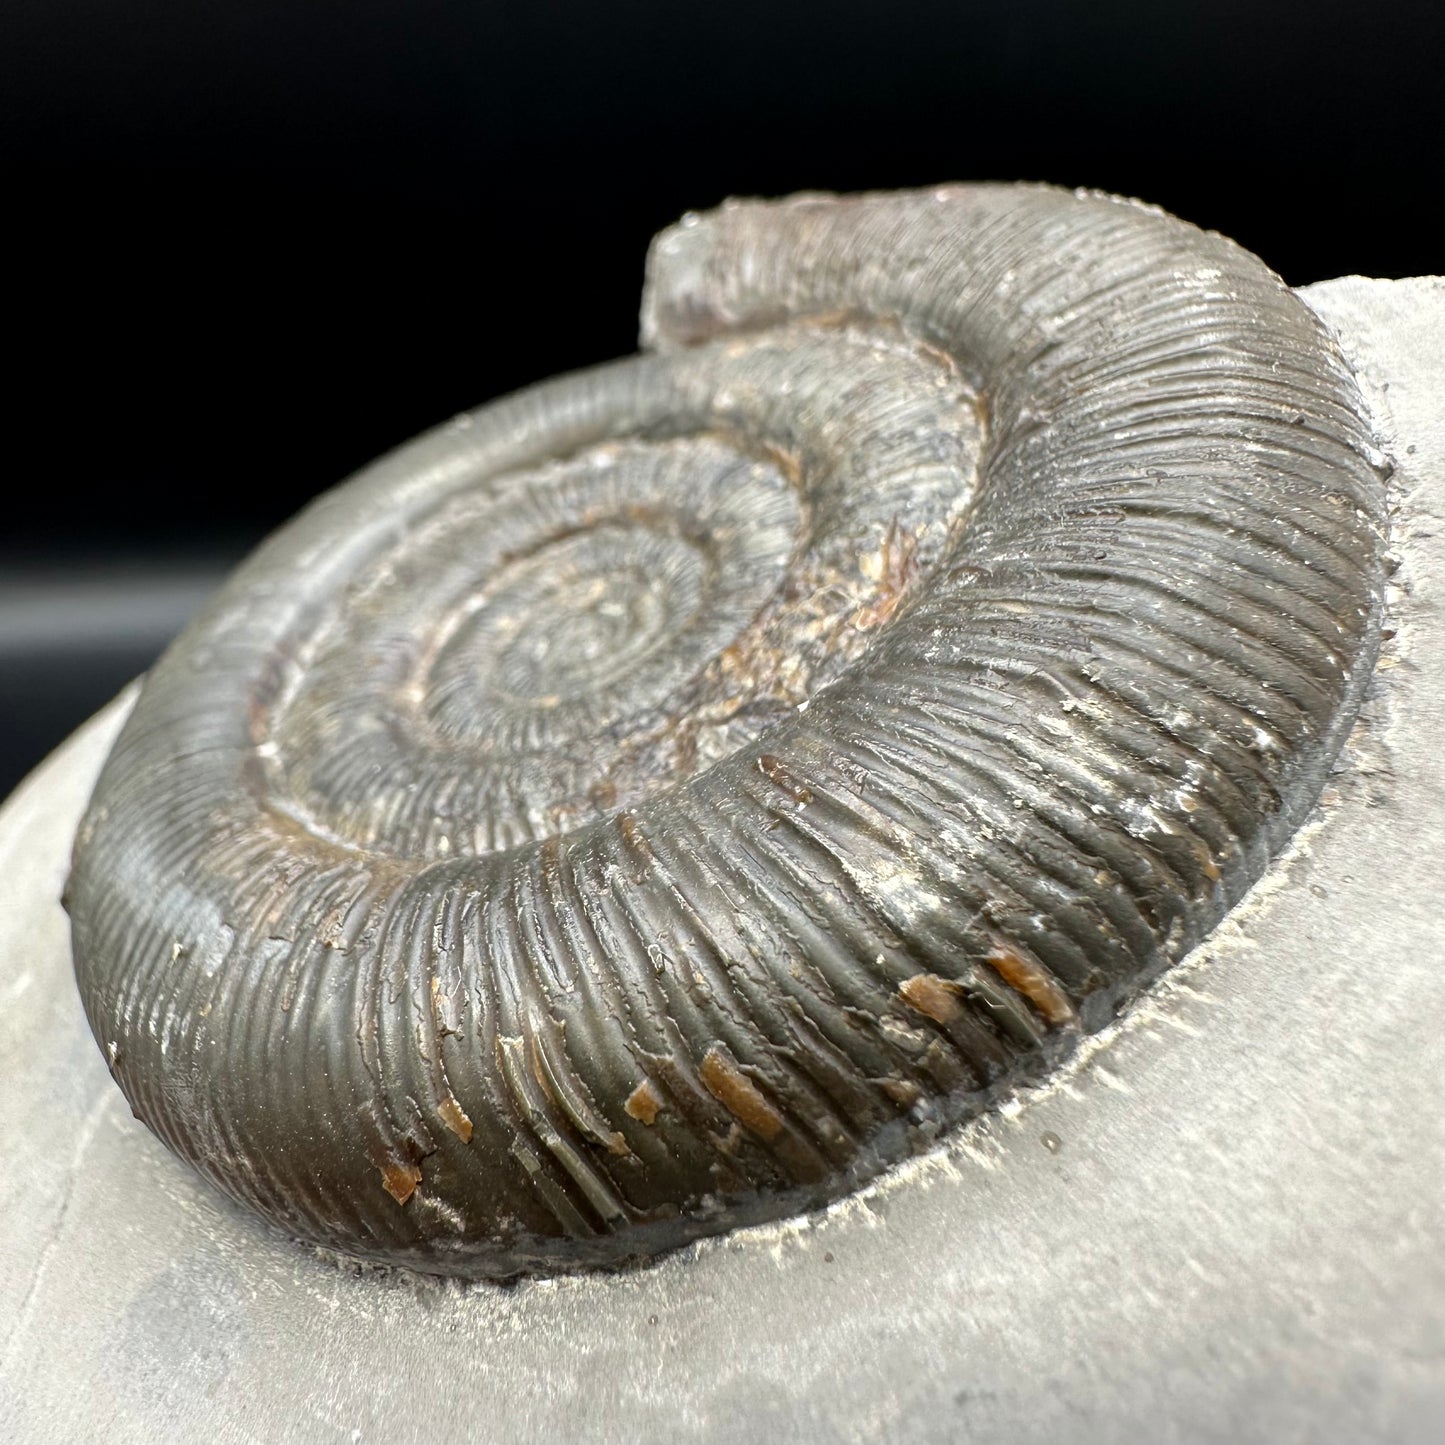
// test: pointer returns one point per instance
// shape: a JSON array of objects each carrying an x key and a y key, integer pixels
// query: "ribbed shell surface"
[{"x": 663, "y": 798}]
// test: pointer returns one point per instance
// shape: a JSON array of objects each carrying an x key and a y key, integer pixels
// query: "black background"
[{"x": 253, "y": 244}]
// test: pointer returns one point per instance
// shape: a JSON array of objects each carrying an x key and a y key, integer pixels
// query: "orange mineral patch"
[
  {"x": 739, "y": 1095},
  {"x": 633, "y": 836},
  {"x": 455, "y": 1118},
  {"x": 892, "y": 569},
  {"x": 644, "y": 1103},
  {"x": 934, "y": 997},
  {"x": 400, "y": 1180},
  {"x": 776, "y": 773},
  {"x": 1034, "y": 981}
]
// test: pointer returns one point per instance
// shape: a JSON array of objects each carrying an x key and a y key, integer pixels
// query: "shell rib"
[{"x": 661, "y": 799}]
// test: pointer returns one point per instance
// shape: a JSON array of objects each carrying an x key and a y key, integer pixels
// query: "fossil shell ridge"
[{"x": 661, "y": 799}]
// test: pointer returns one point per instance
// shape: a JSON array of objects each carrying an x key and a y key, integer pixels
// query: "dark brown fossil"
[{"x": 661, "y": 799}]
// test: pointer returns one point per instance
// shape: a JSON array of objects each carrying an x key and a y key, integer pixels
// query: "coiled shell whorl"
[{"x": 661, "y": 799}]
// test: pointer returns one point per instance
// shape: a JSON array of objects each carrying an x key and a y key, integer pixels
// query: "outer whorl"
[{"x": 661, "y": 799}]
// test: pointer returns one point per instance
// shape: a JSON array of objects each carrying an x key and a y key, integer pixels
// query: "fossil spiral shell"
[{"x": 660, "y": 799}]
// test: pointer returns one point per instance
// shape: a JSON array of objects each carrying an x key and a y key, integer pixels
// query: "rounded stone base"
[{"x": 1224, "y": 1222}]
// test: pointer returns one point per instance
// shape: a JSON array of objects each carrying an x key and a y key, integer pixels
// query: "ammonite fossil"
[{"x": 661, "y": 799}]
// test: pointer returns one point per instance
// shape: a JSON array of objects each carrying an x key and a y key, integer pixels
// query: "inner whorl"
[{"x": 661, "y": 799}]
